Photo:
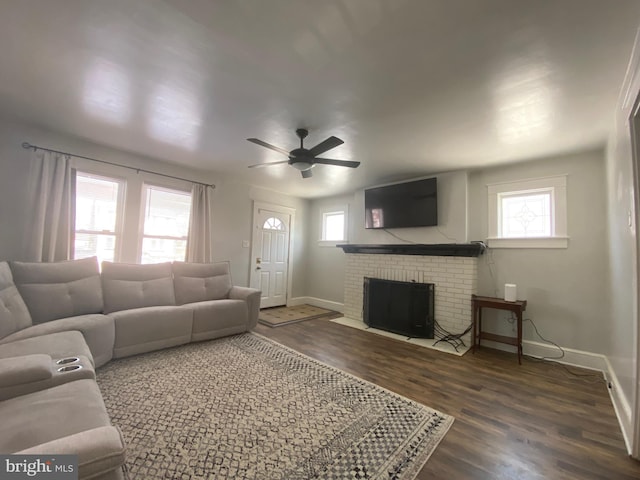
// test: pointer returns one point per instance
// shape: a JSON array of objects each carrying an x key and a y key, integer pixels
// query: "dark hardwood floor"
[{"x": 534, "y": 421}]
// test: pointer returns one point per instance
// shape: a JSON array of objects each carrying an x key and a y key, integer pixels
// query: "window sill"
[
  {"x": 330, "y": 243},
  {"x": 546, "y": 242}
]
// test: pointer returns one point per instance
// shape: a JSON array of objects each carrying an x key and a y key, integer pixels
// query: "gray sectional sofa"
[{"x": 60, "y": 321}]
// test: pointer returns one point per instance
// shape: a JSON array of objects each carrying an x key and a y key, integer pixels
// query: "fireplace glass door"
[{"x": 405, "y": 308}]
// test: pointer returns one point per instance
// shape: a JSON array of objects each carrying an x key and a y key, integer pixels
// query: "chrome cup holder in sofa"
[
  {"x": 69, "y": 368},
  {"x": 66, "y": 361}
]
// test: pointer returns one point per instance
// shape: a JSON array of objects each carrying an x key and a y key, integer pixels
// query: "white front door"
[{"x": 270, "y": 255}]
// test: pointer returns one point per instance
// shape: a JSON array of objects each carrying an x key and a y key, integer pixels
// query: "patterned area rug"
[
  {"x": 279, "y": 316},
  {"x": 245, "y": 407}
]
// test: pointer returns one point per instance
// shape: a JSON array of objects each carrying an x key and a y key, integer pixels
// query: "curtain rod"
[{"x": 27, "y": 146}]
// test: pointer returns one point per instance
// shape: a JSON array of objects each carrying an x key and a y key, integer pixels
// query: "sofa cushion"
[
  {"x": 151, "y": 328},
  {"x": 59, "y": 289},
  {"x": 98, "y": 331},
  {"x": 197, "y": 282},
  {"x": 56, "y": 345},
  {"x": 14, "y": 314},
  {"x": 127, "y": 286},
  {"x": 40, "y": 417},
  {"x": 101, "y": 452}
]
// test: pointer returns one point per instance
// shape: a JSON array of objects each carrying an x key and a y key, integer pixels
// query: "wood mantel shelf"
[{"x": 438, "y": 249}]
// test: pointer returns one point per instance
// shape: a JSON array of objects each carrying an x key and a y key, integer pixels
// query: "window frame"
[
  {"x": 556, "y": 185},
  {"x": 118, "y": 233},
  {"x": 323, "y": 242},
  {"x": 143, "y": 211}
]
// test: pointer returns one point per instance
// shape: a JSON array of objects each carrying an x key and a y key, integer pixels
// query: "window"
[
  {"x": 525, "y": 214},
  {"x": 334, "y": 227},
  {"x": 98, "y": 203},
  {"x": 273, "y": 223},
  {"x": 166, "y": 225},
  {"x": 528, "y": 214}
]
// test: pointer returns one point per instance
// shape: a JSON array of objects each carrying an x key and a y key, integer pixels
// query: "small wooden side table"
[{"x": 517, "y": 307}]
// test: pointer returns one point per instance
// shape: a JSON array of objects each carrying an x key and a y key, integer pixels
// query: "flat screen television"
[{"x": 402, "y": 205}]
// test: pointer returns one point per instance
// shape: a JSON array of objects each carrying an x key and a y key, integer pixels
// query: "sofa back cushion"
[
  {"x": 59, "y": 289},
  {"x": 128, "y": 285},
  {"x": 14, "y": 314},
  {"x": 197, "y": 282}
]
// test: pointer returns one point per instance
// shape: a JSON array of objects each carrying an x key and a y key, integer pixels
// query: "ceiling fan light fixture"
[{"x": 302, "y": 165}]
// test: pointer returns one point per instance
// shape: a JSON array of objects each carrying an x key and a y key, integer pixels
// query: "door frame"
[
  {"x": 272, "y": 207},
  {"x": 635, "y": 164}
]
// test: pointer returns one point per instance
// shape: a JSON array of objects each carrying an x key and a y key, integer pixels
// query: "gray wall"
[
  {"x": 326, "y": 263},
  {"x": 566, "y": 289},
  {"x": 232, "y": 208},
  {"x": 452, "y": 216}
]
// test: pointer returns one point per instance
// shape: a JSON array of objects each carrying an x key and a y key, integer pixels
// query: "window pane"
[
  {"x": 273, "y": 223},
  {"x": 334, "y": 226},
  {"x": 96, "y": 203},
  {"x": 167, "y": 213},
  {"x": 526, "y": 215},
  {"x": 157, "y": 250},
  {"x": 92, "y": 244}
]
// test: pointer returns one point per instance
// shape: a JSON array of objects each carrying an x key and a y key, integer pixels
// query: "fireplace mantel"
[{"x": 439, "y": 249}]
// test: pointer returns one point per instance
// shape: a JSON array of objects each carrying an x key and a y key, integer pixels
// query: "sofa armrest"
[
  {"x": 24, "y": 374},
  {"x": 100, "y": 450},
  {"x": 252, "y": 297},
  {"x": 24, "y": 369}
]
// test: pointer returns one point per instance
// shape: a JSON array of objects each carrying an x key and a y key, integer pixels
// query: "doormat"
[{"x": 280, "y": 316}]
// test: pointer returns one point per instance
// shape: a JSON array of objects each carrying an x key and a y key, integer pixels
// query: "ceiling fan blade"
[
  {"x": 307, "y": 173},
  {"x": 258, "y": 165},
  {"x": 339, "y": 163},
  {"x": 268, "y": 145},
  {"x": 328, "y": 144}
]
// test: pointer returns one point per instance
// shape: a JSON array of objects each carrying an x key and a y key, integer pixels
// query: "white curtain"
[
  {"x": 48, "y": 236},
  {"x": 199, "y": 242}
]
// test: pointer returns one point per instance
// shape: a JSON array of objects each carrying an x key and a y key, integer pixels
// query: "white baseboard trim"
[
  {"x": 316, "y": 302},
  {"x": 621, "y": 405},
  {"x": 576, "y": 358}
]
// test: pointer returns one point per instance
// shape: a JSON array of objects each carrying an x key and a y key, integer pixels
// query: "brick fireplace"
[{"x": 452, "y": 268}]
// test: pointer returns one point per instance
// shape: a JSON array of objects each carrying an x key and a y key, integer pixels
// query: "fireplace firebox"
[{"x": 405, "y": 308}]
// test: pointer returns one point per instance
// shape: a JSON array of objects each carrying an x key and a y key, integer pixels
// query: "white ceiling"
[{"x": 413, "y": 87}]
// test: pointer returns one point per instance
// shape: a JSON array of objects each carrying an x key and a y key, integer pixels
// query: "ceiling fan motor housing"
[{"x": 300, "y": 158}]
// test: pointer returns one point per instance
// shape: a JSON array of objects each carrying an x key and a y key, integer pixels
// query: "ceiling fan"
[{"x": 304, "y": 159}]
